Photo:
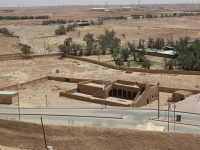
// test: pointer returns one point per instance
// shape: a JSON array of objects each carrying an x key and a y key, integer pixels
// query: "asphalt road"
[
  {"x": 131, "y": 118},
  {"x": 16, "y": 28}
]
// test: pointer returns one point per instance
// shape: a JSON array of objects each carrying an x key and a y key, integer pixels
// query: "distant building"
[
  {"x": 98, "y": 9},
  {"x": 7, "y": 97},
  {"x": 126, "y": 8},
  {"x": 117, "y": 93},
  {"x": 107, "y": 10},
  {"x": 179, "y": 95}
]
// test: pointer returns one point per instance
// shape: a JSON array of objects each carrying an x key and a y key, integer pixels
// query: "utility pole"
[
  {"x": 174, "y": 115},
  {"x": 169, "y": 108},
  {"x": 18, "y": 100},
  {"x": 105, "y": 93},
  {"x": 44, "y": 48},
  {"x": 46, "y": 100},
  {"x": 158, "y": 84}
]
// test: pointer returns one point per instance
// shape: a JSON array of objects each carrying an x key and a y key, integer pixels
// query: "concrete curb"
[
  {"x": 176, "y": 122},
  {"x": 70, "y": 115}
]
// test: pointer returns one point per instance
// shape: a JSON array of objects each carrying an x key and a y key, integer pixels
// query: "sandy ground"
[
  {"x": 133, "y": 29},
  {"x": 157, "y": 61},
  {"x": 11, "y": 148},
  {"x": 29, "y": 135},
  {"x": 33, "y": 96},
  {"x": 187, "y": 26},
  {"x": 18, "y": 71},
  {"x": 9, "y": 45}
]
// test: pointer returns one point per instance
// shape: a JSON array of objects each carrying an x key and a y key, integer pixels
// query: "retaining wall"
[
  {"x": 135, "y": 69},
  {"x": 11, "y": 56},
  {"x": 14, "y": 87}
]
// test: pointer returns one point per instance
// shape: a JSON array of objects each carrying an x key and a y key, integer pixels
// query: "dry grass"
[{"x": 28, "y": 135}]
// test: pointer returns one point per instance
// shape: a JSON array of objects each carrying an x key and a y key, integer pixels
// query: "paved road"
[
  {"x": 15, "y": 28},
  {"x": 131, "y": 117}
]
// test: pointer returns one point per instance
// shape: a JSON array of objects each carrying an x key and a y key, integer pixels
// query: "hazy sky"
[{"x": 15, "y": 3}]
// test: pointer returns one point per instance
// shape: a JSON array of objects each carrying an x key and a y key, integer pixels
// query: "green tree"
[
  {"x": 66, "y": 47},
  {"x": 132, "y": 49},
  {"x": 25, "y": 49},
  {"x": 115, "y": 55},
  {"x": 90, "y": 41},
  {"x": 60, "y": 31},
  {"x": 124, "y": 35},
  {"x": 147, "y": 64},
  {"x": 75, "y": 48},
  {"x": 112, "y": 41},
  {"x": 119, "y": 62},
  {"x": 159, "y": 43},
  {"x": 141, "y": 55},
  {"x": 125, "y": 54},
  {"x": 169, "y": 64},
  {"x": 151, "y": 42},
  {"x": 102, "y": 43},
  {"x": 128, "y": 63},
  {"x": 141, "y": 44}
]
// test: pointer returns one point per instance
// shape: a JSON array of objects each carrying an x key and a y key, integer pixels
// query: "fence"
[{"x": 33, "y": 82}]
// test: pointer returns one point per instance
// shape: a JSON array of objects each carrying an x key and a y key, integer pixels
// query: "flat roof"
[
  {"x": 7, "y": 93},
  {"x": 95, "y": 85},
  {"x": 134, "y": 86}
]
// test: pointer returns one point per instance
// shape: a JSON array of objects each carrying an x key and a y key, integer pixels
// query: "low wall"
[
  {"x": 73, "y": 80},
  {"x": 14, "y": 87},
  {"x": 11, "y": 56},
  {"x": 149, "y": 95},
  {"x": 62, "y": 79},
  {"x": 95, "y": 100},
  {"x": 172, "y": 90},
  {"x": 40, "y": 56},
  {"x": 135, "y": 69}
]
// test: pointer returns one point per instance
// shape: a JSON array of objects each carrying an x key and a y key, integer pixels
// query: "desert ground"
[
  {"x": 177, "y": 27},
  {"x": 29, "y": 136},
  {"x": 18, "y": 71}
]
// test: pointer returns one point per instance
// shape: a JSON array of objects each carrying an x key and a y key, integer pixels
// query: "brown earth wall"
[
  {"x": 82, "y": 98},
  {"x": 99, "y": 94},
  {"x": 136, "y": 69},
  {"x": 62, "y": 79},
  {"x": 10, "y": 36},
  {"x": 95, "y": 100},
  {"x": 126, "y": 82},
  {"x": 73, "y": 80},
  {"x": 172, "y": 90},
  {"x": 87, "y": 89},
  {"x": 14, "y": 87},
  {"x": 72, "y": 91},
  {"x": 148, "y": 96},
  {"x": 11, "y": 56},
  {"x": 39, "y": 56}
]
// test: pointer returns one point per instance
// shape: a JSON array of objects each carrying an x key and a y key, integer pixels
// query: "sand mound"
[{"x": 29, "y": 136}]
